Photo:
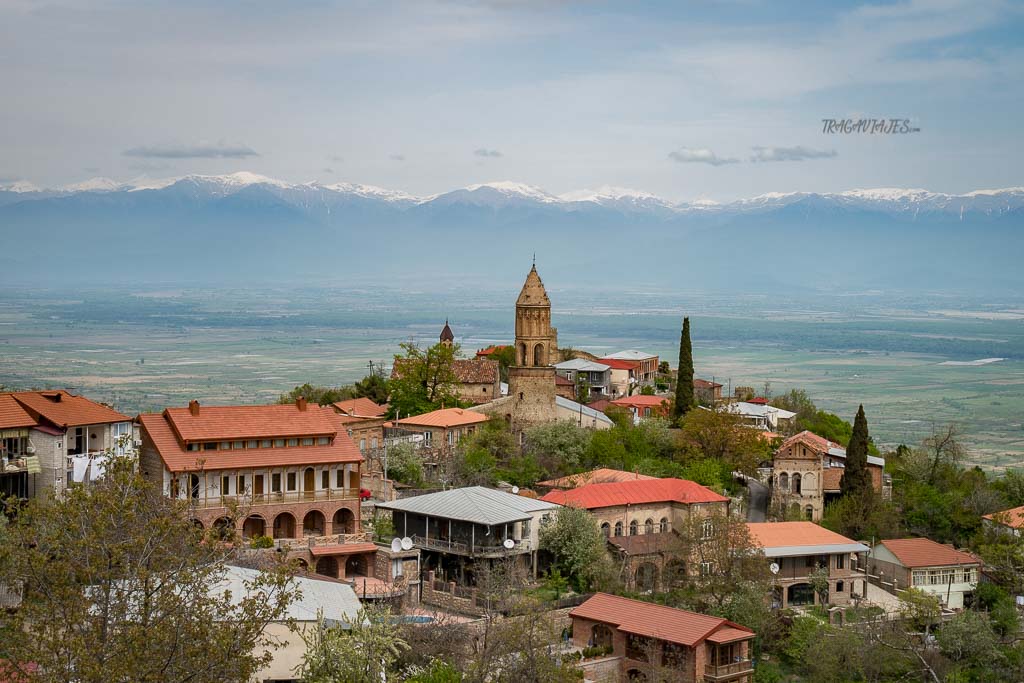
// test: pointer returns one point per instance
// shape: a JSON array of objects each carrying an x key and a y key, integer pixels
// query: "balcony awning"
[
  {"x": 729, "y": 635},
  {"x": 343, "y": 549}
]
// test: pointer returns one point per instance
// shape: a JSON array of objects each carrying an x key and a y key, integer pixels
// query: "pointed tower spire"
[{"x": 447, "y": 336}]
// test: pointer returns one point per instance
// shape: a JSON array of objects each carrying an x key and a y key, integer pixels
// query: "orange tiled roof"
[
  {"x": 214, "y": 423},
  {"x": 1014, "y": 517},
  {"x": 65, "y": 409},
  {"x": 635, "y": 492},
  {"x": 361, "y": 407},
  {"x": 791, "y": 534},
  {"x": 704, "y": 384},
  {"x": 602, "y": 475},
  {"x": 446, "y": 417},
  {"x": 819, "y": 443},
  {"x": 160, "y": 431},
  {"x": 924, "y": 552},
  {"x": 342, "y": 549},
  {"x": 619, "y": 364},
  {"x": 564, "y": 381},
  {"x": 654, "y": 621},
  {"x": 491, "y": 349},
  {"x": 13, "y": 415},
  {"x": 641, "y": 400}
]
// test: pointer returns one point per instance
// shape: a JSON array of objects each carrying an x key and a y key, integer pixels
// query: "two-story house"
[
  {"x": 940, "y": 570},
  {"x": 596, "y": 376},
  {"x": 50, "y": 440},
  {"x": 707, "y": 393},
  {"x": 651, "y": 642},
  {"x": 458, "y": 528},
  {"x": 807, "y": 469},
  {"x": 288, "y": 472},
  {"x": 623, "y": 376},
  {"x": 643, "y": 406},
  {"x": 640, "y": 518},
  {"x": 796, "y": 549},
  {"x": 1007, "y": 521}
]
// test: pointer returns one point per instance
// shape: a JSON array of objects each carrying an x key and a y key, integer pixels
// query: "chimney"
[
  {"x": 300, "y": 403},
  {"x": 193, "y": 408}
]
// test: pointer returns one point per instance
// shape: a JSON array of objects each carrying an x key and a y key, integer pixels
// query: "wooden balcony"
[
  {"x": 475, "y": 550},
  {"x": 725, "y": 672},
  {"x": 276, "y": 498}
]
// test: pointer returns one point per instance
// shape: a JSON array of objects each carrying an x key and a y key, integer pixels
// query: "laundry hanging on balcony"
[{"x": 88, "y": 469}]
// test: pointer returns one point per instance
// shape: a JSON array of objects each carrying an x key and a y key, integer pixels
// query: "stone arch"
[
  {"x": 809, "y": 512},
  {"x": 601, "y": 636},
  {"x": 538, "y": 355},
  {"x": 314, "y": 523},
  {"x": 675, "y": 573},
  {"x": 344, "y": 521},
  {"x": 649, "y": 526},
  {"x": 634, "y": 528},
  {"x": 618, "y": 528},
  {"x": 284, "y": 525},
  {"x": 198, "y": 524},
  {"x": 783, "y": 482},
  {"x": 663, "y": 525},
  {"x": 795, "y": 483},
  {"x": 356, "y": 565},
  {"x": 808, "y": 481},
  {"x": 522, "y": 353},
  {"x": 646, "y": 577},
  {"x": 254, "y": 525},
  {"x": 224, "y": 527},
  {"x": 303, "y": 565},
  {"x": 327, "y": 566},
  {"x": 606, "y": 529}
]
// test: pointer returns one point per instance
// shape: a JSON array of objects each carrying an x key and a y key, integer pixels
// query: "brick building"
[
  {"x": 940, "y": 570},
  {"x": 651, "y": 642}
]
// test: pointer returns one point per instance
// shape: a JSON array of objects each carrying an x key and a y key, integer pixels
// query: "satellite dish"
[
  {"x": 515, "y": 489},
  {"x": 774, "y": 568},
  {"x": 406, "y": 543},
  {"x": 509, "y": 544},
  {"x": 396, "y": 545}
]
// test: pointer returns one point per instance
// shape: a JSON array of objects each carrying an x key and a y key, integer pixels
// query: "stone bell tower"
[{"x": 532, "y": 379}]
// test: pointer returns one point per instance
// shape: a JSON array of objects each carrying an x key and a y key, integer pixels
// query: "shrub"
[{"x": 258, "y": 542}]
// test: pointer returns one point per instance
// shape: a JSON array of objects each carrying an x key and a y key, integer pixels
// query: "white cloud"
[
  {"x": 686, "y": 155},
  {"x": 199, "y": 151},
  {"x": 798, "y": 153},
  {"x": 484, "y": 152}
]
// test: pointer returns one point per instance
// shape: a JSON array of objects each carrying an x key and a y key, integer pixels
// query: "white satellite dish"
[
  {"x": 774, "y": 568},
  {"x": 406, "y": 543},
  {"x": 396, "y": 545},
  {"x": 515, "y": 489},
  {"x": 509, "y": 544}
]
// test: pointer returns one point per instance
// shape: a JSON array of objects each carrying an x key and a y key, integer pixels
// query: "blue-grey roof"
[
  {"x": 581, "y": 364},
  {"x": 568, "y": 404},
  {"x": 800, "y": 550},
  {"x": 472, "y": 504},
  {"x": 335, "y": 600}
]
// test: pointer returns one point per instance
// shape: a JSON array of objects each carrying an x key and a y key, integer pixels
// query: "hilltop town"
[{"x": 526, "y": 511}]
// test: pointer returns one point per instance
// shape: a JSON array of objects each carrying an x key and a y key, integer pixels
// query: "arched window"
[
  {"x": 538, "y": 355},
  {"x": 707, "y": 529},
  {"x": 796, "y": 484},
  {"x": 783, "y": 482},
  {"x": 809, "y": 512},
  {"x": 663, "y": 526},
  {"x": 606, "y": 529},
  {"x": 649, "y": 526},
  {"x": 808, "y": 481},
  {"x": 522, "y": 354},
  {"x": 633, "y": 528},
  {"x": 618, "y": 528}
]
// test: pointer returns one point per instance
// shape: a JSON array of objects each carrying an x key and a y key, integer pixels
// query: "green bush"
[{"x": 258, "y": 542}]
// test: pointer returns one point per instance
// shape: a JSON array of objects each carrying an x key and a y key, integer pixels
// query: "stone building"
[{"x": 806, "y": 470}]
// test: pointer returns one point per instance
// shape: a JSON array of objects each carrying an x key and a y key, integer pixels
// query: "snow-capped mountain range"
[
  {"x": 247, "y": 227},
  {"x": 506, "y": 193}
]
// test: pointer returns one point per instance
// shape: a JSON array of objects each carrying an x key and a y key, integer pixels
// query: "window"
[
  {"x": 325, "y": 479},
  {"x": 362, "y": 444},
  {"x": 705, "y": 569},
  {"x": 606, "y": 529},
  {"x": 809, "y": 561},
  {"x": 451, "y": 438},
  {"x": 373, "y": 443},
  {"x": 323, "y": 440},
  {"x": 241, "y": 484},
  {"x": 225, "y": 485},
  {"x": 253, "y": 444},
  {"x": 291, "y": 481},
  {"x": 784, "y": 482},
  {"x": 193, "y": 447},
  {"x": 225, "y": 445},
  {"x": 266, "y": 443},
  {"x": 840, "y": 561},
  {"x": 307, "y": 441},
  {"x": 293, "y": 442},
  {"x": 428, "y": 437},
  {"x": 275, "y": 482},
  {"x": 339, "y": 478},
  {"x": 238, "y": 445},
  {"x": 633, "y": 528},
  {"x": 707, "y": 529},
  {"x": 397, "y": 568},
  {"x": 839, "y": 586},
  {"x": 278, "y": 443},
  {"x": 649, "y": 526},
  {"x": 526, "y": 529},
  {"x": 618, "y": 528},
  {"x": 663, "y": 525}
]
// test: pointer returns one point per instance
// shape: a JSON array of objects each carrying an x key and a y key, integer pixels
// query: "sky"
[{"x": 687, "y": 100}]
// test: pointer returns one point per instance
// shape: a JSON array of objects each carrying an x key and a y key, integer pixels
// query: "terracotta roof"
[
  {"x": 704, "y": 384},
  {"x": 342, "y": 549},
  {"x": 65, "y": 409},
  {"x": 1014, "y": 517},
  {"x": 446, "y": 417},
  {"x": 646, "y": 544},
  {"x": 790, "y": 534},
  {"x": 811, "y": 439},
  {"x": 475, "y": 370},
  {"x": 361, "y": 407},
  {"x": 620, "y": 364},
  {"x": 158, "y": 428},
  {"x": 728, "y": 635},
  {"x": 643, "y": 400},
  {"x": 564, "y": 381},
  {"x": 636, "y": 492},
  {"x": 224, "y": 423},
  {"x": 653, "y": 621},
  {"x": 600, "y": 404},
  {"x": 602, "y": 475},
  {"x": 491, "y": 349},
  {"x": 759, "y": 400},
  {"x": 533, "y": 292},
  {"x": 12, "y": 415},
  {"x": 924, "y": 552}
]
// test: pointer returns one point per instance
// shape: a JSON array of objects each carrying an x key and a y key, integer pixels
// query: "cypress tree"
[
  {"x": 856, "y": 479},
  {"x": 684, "y": 377}
]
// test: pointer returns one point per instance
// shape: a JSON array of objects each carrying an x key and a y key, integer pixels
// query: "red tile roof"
[
  {"x": 821, "y": 444},
  {"x": 704, "y": 384},
  {"x": 225, "y": 423},
  {"x": 600, "y": 404},
  {"x": 12, "y": 415},
  {"x": 654, "y": 621},
  {"x": 491, "y": 349},
  {"x": 636, "y": 492},
  {"x": 361, "y": 407},
  {"x": 159, "y": 429},
  {"x": 446, "y": 417},
  {"x": 1014, "y": 517},
  {"x": 790, "y": 534},
  {"x": 924, "y": 552},
  {"x": 602, "y": 475},
  {"x": 65, "y": 409},
  {"x": 342, "y": 549},
  {"x": 729, "y": 635},
  {"x": 564, "y": 381},
  {"x": 618, "y": 364},
  {"x": 641, "y": 400}
]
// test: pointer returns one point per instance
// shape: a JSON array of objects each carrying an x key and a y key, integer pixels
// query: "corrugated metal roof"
[
  {"x": 630, "y": 355},
  {"x": 581, "y": 364},
  {"x": 472, "y": 504},
  {"x": 563, "y": 402},
  {"x": 336, "y": 600}
]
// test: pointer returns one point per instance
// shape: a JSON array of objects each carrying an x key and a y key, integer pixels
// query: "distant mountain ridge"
[{"x": 245, "y": 227}]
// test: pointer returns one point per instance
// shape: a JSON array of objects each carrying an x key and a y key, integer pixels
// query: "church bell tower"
[{"x": 532, "y": 378}]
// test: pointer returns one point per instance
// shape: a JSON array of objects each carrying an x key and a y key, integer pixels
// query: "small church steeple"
[{"x": 447, "y": 336}]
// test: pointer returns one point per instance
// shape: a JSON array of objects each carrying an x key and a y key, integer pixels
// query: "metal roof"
[
  {"x": 563, "y": 402},
  {"x": 630, "y": 355},
  {"x": 472, "y": 504},
  {"x": 826, "y": 549},
  {"x": 335, "y": 599},
  {"x": 581, "y": 364}
]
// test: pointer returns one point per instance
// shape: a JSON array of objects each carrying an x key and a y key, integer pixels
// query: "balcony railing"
[
  {"x": 13, "y": 465},
  {"x": 276, "y": 498},
  {"x": 723, "y": 671},
  {"x": 461, "y": 548}
]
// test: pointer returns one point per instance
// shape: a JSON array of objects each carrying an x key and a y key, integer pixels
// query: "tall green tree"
[
  {"x": 684, "y": 376},
  {"x": 578, "y": 549},
  {"x": 856, "y": 479},
  {"x": 423, "y": 380}
]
